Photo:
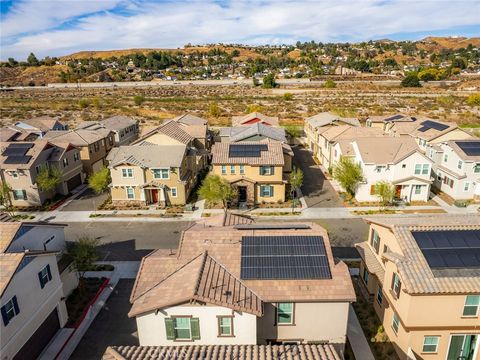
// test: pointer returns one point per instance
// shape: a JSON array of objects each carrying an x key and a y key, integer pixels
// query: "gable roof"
[
  {"x": 386, "y": 150},
  {"x": 147, "y": 155},
  {"x": 9, "y": 263},
  {"x": 190, "y": 119},
  {"x": 38, "y": 147},
  {"x": 8, "y": 230},
  {"x": 203, "y": 279},
  {"x": 77, "y": 137},
  {"x": 336, "y": 133},
  {"x": 392, "y": 118},
  {"x": 327, "y": 118},
  {"x": 244, "y": 119},
  {"x": 272, "y": 156},
  {"x": 42, "y": 123},
  {"x": 455, "y": 145},
  {"x": 171, "y": 129},
  {"x": 239, "y": 133},
  {"x": 118, "y": 122}
]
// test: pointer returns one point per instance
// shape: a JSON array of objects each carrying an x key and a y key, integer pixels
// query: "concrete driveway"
[
  {"x": 88, "y": 200},
  {"x": 112, "y": 326},
  {"x": 316, "y": 189}
]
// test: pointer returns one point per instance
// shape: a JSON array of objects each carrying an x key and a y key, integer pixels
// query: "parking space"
[
  {"x": 112, "y": 326},
  {"x": 87, "y": 201},
  {"x": 316, "y": 189}
]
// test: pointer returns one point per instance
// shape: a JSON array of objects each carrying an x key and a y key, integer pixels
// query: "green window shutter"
[
  {"x": 169, "y": 329},
  {"x": 195, "y": 327}
]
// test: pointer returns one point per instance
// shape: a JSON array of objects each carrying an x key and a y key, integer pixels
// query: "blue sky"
[{"x": 60, "y": 27}]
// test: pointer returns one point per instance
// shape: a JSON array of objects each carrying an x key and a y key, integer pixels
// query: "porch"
[{"x": 153, "y": 194}]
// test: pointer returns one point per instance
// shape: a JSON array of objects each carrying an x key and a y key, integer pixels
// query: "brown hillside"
[
  {"x": 40, "y": 75},
  {"x": 438, "y": 43}
]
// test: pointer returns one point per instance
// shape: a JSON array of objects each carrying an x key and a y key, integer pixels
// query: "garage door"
[
  {"x": 39, "y": 340},
  {"x": 97, "y": 166},
  {"x": 73, "y": 182}
]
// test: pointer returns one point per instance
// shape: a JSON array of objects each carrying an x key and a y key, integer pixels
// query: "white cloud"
[{"x": 38, "y": 27}]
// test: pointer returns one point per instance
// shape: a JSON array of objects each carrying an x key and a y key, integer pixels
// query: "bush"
[
  {"x": 411, "y": 80},
  {"x": 474, "y": 99},
  {"x": 330, "y": 84},
  {"x": 138, "y": 99},
  {"x": 83, "y": 103},
  {"x": 213, "y": 110},
  {"x": 288, "y": 96},
  {"x": 269, "y": 81}
]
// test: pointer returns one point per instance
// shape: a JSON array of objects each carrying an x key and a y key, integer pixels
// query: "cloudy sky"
[{"x": 60, "y": 27}]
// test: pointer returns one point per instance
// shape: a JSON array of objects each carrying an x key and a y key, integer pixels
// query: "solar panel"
[
  {"x": 271, "y": 226},
  {"x": 470, "y": 148},
  {"x": 17, "y": 159},
  {"x": 284, "y": 257},
  {"x": 246, "y": 150},
  {"x": 394, "y": 117},
  {"x": 429, "y": 124},
  {"x": 449, "y": 248},
  {"x": 17, "y": 149}
]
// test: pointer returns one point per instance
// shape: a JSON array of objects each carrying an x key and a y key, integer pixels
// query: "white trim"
[
  {"x": 176, "y": 192},
  {"x": 161, "y": 177},
  {"x": 133, "y": 192}
]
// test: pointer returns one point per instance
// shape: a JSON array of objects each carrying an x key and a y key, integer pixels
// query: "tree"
[
  {"x": 99, "y": 181},
  {"x": 215, "y": 189},
  {"x": 411, "y": 80},
  {"x": 6, "y": 198},
  {"x": 296, "y": 181},
  {"x": 386, "y": 192},
  {"x": 32, "y": 60},
  {"x": 269, "y": 81},
  {"x": 294, "y": 131},
  {"x": 48, "y": 178},
  {"x": 138, "y": 99},
  {"x": 459, "y": 62},
  {"x": 12, "y": 62},
  {"x": 214, "y": 110},
  {"x": 330, "y": 84},
  {"x": 84, "y": 253},
  {"x": 348, "y": 174}
]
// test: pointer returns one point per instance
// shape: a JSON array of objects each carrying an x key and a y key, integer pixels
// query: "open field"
[{"x": 348, "y": 99}]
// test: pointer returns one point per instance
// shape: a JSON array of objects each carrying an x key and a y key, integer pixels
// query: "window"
[
  {"x": 395, "y": 323},
  {"x": 379, "y": 295},
  {"x": 266, "y": 190},
  {"x": 10, "y": 310},
  {"x": 44, "y": 276},
  {"x": 404, "y": 166},
  {"x": 365, "y": 276},
  {"x": 65, "y": 162},
  {"x": 224, "y": 170},
  {"x": 232, "y": 169},
  {"x": 396, "y": 285},
  {"x": 425, "y": 169},
  {"x": 285, "y": 313},
  {"x": 160, "y": 173},
  {"x": 76, "y": 156},
  {"x": 96, "y": 146},
  {"x": 375, "y": 240},
  {"x": 182, "y": 328},
  {"x": 242, "y": 169},
  {"x": 445, "y": 158},
  {"x": 466, "y": 186},
  {"x": 439, "y": 176},
  {"x": 127, "y": 173},
  {"x": 14, "y": 174},
  {"x": 130, "y": 193},
  {"x": 19, "y": 194},
  {"x": 460, "y": 164},
  {"x": 174, "y": 192},
  {"x": 476, "y": 169},
  {"x": 472, "y": 302},
  {"x": 418, "y": 189},
  {"x": 418, "y": 169},
  {"x": 225, "y": 326},
  {"x": 267, "y": 170},
  {"x": 430, "y": 344}
]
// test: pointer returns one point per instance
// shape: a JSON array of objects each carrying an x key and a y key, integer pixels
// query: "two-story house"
[
  {"x": 33, "y": 286},
  {"x": 255, "y": 132},
  {"x": 397, "y": 161},
  {"x": 457, "y": 168},
  {"x": 94, "y": 145},
  {"x": 124, "y": 128},
  {"x": 22, "y": 162},
  {"x": 385, "y": 122},
  {"x": 237, "y": 282},
  {"x": 254, "y": 118},
  {"x": 196, "y": 127},
  {"x": 40, "y": 125},
  {"x": 255, "y": 169},
  {"x": 422, "y": 276}
]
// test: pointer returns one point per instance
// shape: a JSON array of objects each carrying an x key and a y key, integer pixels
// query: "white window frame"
[
  {"x": 175, "y": 327},
  {"x": 133, "y": 192},
  {"x": 76, "y": 156},
  {"x": 174, "y": 192},
  {"x": 434, "y": 351},
  {"x": 379, "y": 296},
  {"x": 418, "y": 189},
  {"x": 9, "y": 307},
  {"x": 459, "y": 164},
  {"x": 291, "y": 312},
  {"x": 466, "y": 186},
  {"x": 127, "y": 173},
  {"x": 224, "y": 170},
  {"x": 465, "y": 305},
  {"x": 242, "y": 169},
  {"x": 418, "y": 169},
  {"x": 23, "y": 197},
  {"x": 395, "y": 322},
  {"x": 229, "y": 326},
  {"x": 445, "y": 158},
  {"x": 233, "y": 169},
  {"x": 161, "y": 170},
  {"x": 396, "y": 285},
  {"x": 262, "y": 191}
]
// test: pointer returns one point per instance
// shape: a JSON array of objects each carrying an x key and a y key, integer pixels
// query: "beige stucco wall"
[
  {"x": 151, "y": 326},
  {"x": 161, "y": 139}
]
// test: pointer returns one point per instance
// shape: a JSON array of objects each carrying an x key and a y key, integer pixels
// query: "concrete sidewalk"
[{"x": 356, "y": 337}]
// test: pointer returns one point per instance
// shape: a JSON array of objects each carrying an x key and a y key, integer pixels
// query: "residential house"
[
  {"x": 457, "y": 168},
  {"x": 255, "y": 169},
  {"x": 124, "y": 128},
  {"x": 385, "y": 122},
  {"x": 397, "y": 161},
  {"x": 40, "y": 125},
  {"x": 253, "y": 118},
  {"x": 255, "y": 132},
  {"x": 422, "y": 276},
  {"x": 196, "y": 127},
  {"x": 428, "y": 132},
  {"x": 11, "y": 133},
  {"x": 231, "y": 277},
  {"x": 94, "y": 145},
  {"x": 22, "y": 162},
  {"x": 33, "y": 287}
]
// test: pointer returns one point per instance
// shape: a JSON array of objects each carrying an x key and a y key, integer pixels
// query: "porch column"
[
  {"x": 161, "y": 197},
  {"x": 142, "y": 194}
]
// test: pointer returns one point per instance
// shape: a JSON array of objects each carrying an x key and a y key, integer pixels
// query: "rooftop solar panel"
[
  {"x": 284, "y": 257},
  {"x": 246, "y": 150},
  {"x": 449, "y": 248},
  {"x": 470, "y": 148},
  {"x": 17, "y": 159},
  {"x": 394, "y": 117},
  {"x": 271, "y": 226},
  {"x": 429, "y": 124},
  {"x": 17, "y": 149}
]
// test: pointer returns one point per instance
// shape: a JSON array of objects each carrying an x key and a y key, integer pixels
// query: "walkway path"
[{"x": 357, "y": 339}]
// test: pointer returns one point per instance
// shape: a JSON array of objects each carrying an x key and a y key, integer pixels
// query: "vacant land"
[{"x": 219, "y": 103}]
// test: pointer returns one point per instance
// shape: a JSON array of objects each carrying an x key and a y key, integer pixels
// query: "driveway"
[
  {"x": 88, "y": 200},
  {"x": 112, "y": 326},
  {"x": 316, "y": 189}
]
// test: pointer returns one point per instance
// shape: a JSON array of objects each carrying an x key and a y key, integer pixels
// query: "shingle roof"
[
  {"x": 240, "y": 120},
  {"x": 239, "y": 133},
  {"x": 42, "y": 123},
  {"x": 392, "y": 118},
  {"x": 118, "y": 122},
  {"x": 327, "y": 118},
  {"x": 272, "y": 156},
  {"x": 147, "y": 156},
  {"x": 222, "y": 352},
  {"x": 413, "y": 129},
  {"x": 171, "y": 129},
  {"x": 35, "y": 151},
  {"x": 416, "y": 274},
  {"x": 190, "y": 119},
  {"x": 386, "y": 150},
  {"x": 7, "y": 134}
]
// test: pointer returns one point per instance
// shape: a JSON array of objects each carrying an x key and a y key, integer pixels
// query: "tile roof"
[
  {"x": 223, "y": 244},
  {"x": 413, "y": 129},
  {"x": 386, "y": 149},
  {"x": 222, "y": 352},
  {"x": 38, "y": 148},
  {"x": 239, "y": 133},
  {"x": 118, "y": 122},
  {"x": 77, "y": 137},
  {"x": 416, "y": 274},
  {"x": 8, "y": 134},
  {"x": 9, "y": 263},
  {"x": 171, "y": 129},
  {"x": 241, "y": 120},
  {"x": 42, "y": 123},
  {"x": 327, "y": 118},
  {"x": 272, "y": 156},
  {"x": 147, "y": 156},
  {"x": 8, "y": 230},
  {"x": 454, "y": 144},
  {"x": 392, "y": 118},
  {"x": 345, "y": 132},
  {"x": 373, "y": 265},
  {"x": 4, "y": 217},
  {"x": 190, "y": 119},
  {"x": 227, "y": 219}
]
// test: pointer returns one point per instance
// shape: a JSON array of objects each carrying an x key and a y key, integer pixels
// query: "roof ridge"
[{"x": 200, "y": 271}]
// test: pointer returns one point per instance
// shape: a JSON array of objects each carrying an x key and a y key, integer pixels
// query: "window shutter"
[
  {"x": 15, "y": 305},
  {"x": 262, "y": 190},
  {"x": 4, "y": 316},
  {"x": 262, "y": 170},
  {"x": 24, "y": 194},
  {"x": 272, "y": 170},
  {"x": 49, "y": 272},
  {"x": 399, "y": 288},
  {"x": 169, "y": 329},
  {"x": 393, "y": 282},
  {"x": 271, "y": 190},
  {"x": 195, "y": 327},
  {"x": 42, "y": 284}
]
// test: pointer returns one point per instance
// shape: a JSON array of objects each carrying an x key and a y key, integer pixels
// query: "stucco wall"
[{"x": 37, "y": 236}]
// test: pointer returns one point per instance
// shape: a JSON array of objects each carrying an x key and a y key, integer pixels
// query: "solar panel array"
[
  {"x": 450, "y": 248},
  {"x": 394, "y": 117},
  {"x": 470, "y": 148},
  {"x": 429, "y": 124},
  {"x": 15, "y": 153},
  {"x": 246, "y": 150},
  {"x": 284, "y": 258}
]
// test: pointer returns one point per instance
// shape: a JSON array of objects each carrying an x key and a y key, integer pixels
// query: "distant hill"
[{"x": 432, "y": 43}]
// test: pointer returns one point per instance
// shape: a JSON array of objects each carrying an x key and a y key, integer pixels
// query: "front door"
[
  {"x": 154, "y": 196},
  {"x": 242, "y": 193},
  {"x": 398, "y": 191},
  {"x": 463, "y": 347}
]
